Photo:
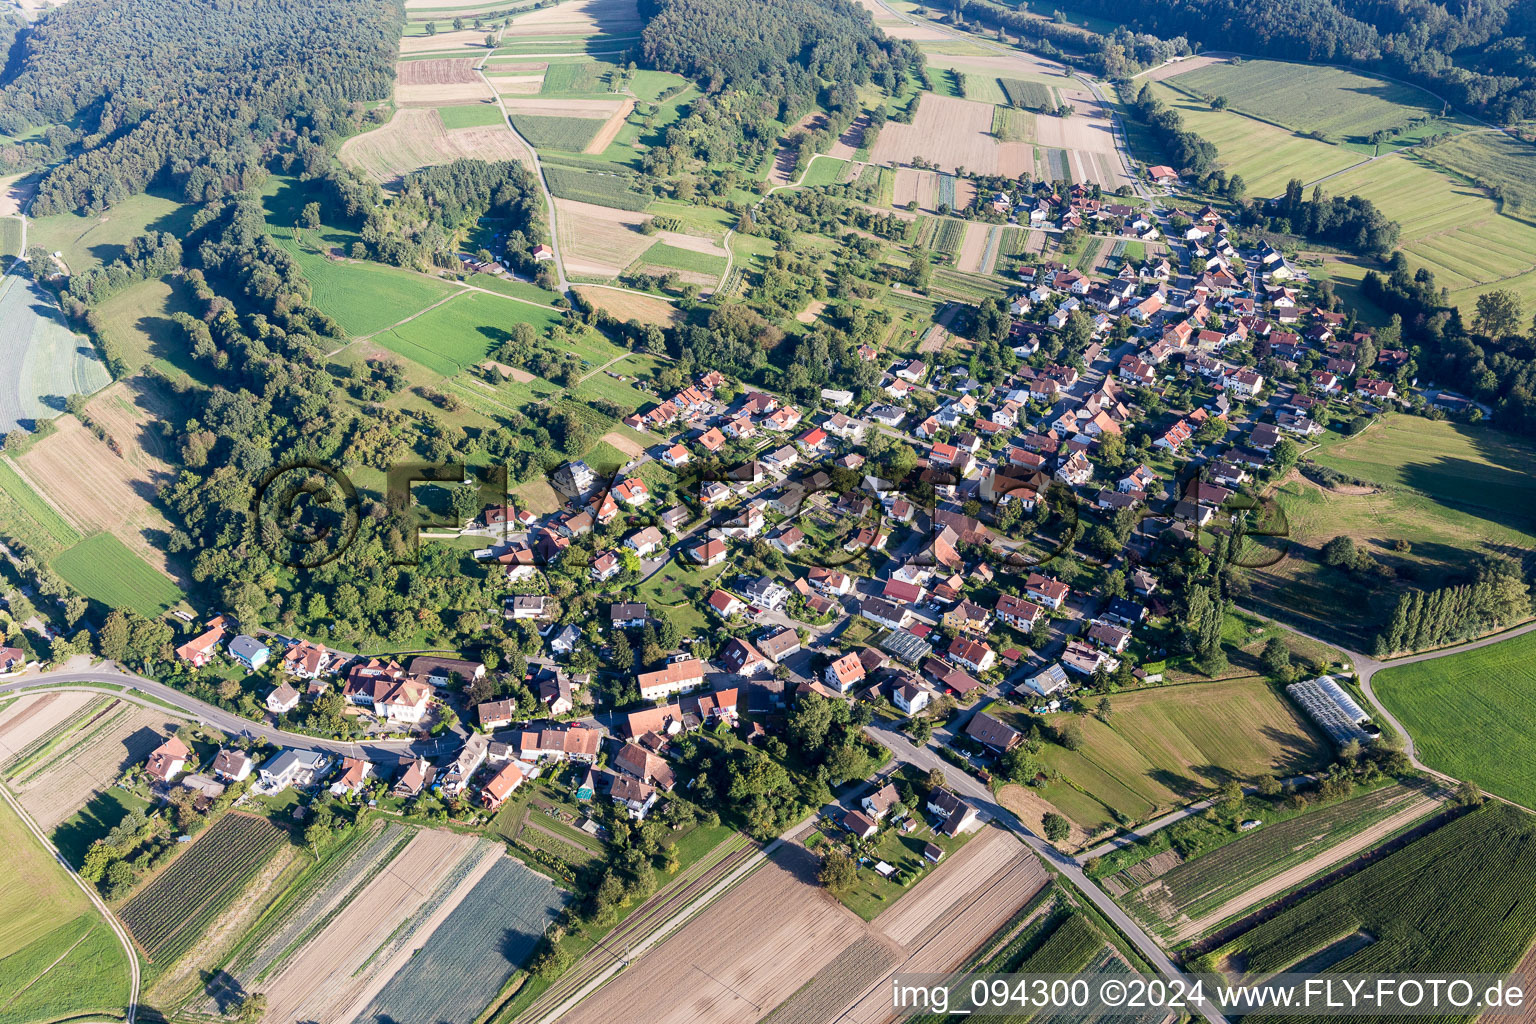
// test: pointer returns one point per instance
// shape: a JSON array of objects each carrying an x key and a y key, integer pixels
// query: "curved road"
[
  {"x": 1366, "y": 668},
  {"x": 93, "y": 896}
]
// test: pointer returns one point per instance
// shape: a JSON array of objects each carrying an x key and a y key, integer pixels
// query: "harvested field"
[
  {"x": 1179, "y": 67},
  {"x": 610, "y": 128},
  {"x": 743, "y": 955},
  {"x": 97, "y": 490},
  {"x": 16, "y": 192},
  {"x": 848, "y": 143},
  {"x": 961, "y": 875},
  {"x": 538, "y": 106},
  {"x": 627, "y": 445},
  {"x": 443, "y": 42},
  {"x": 32, "y": 717},
  {"x": 974, "y": 247},
  {"x": 951, "y": 939},
  {"x": 627, "y": 306},
  {"x": 517, "y": 85},
  {"x": 584, "y": 17},
  {"x": 913, "y": 185},
  {"x": 375, "y": 933},
  {"x": 809, "y": 314},
  {"x": 1031, "y": 809},
  {"x": 947, "y": 131},
  {"x": 90, "y": 761},
  {"x": 430, "y": 82},
  {"x": 599, "y": 240},
  {"x": 415, "y": 138}
]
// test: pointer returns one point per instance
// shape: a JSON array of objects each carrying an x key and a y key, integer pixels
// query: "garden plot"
[
  {"x": 172, "y": 912},
  {"x": 89, "y": 761},
  {"x": 32, "y": 718},
  {"x": 416, "y": 137},
  {"x": 373, "y": 932},
  {"x": 916, "y": 186},
  {"x": 973, "y": 249},
  {"x": 470, "y": 955}
]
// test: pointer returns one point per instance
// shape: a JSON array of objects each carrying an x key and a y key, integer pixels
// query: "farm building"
[{"x": 1334, "y": 711}]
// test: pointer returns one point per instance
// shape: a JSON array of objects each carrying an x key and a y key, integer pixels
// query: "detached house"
[{"x": 167, "y": 760}]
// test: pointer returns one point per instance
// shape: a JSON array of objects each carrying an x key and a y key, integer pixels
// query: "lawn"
[
  {"x": 58, "y": 958},
  {"x": 1472, "y": 715},
  {"x": 824, "y": 170},
  {"x": 363, "y": 297},
  {"x": 102, "y": 568},
  {"x": 1165, "y": 746},
  {"x": 1266, "y": 156},
  {"x": 100, "y": 815},
  {"x": 682, "y": 592},
  {"x": 1339, "y": 103},
  {"x": 472, "y": 115},
  {"x": 462, "y": 331}
]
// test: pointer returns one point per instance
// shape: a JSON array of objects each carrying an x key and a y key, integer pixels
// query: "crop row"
[
  {"x": 199, "y": 881},
  {"x": 1458, "y": 900},
  {"x": 1029, "y": 95},
  {"x": 946, "y": 196},
  {"x": 951, "y": 232},
  {"x": 471, "y": 955}
]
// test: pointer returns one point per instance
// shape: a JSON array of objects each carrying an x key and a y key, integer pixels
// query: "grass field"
[
  {"x": 661, "y": 254},
  {"x": 26, "y": 516},
  {"x": 1456, "y": 901},
  {"x": 595, "y": 187},
  {"x": 137, "y": 322},
  {"x": 102, "y": 568},
  {"x": 363, "y": 297},
  {"x": 1339, "y": 103},
  {"x": 579, "y": 78},
  {"x": 88, "y": 242},
  {"x": 44, "y": 359},
  {"x": 1460, "y": 235},
  {"x": 1495, "y": 160},
  {"x": 1011, "y": 124},
  {"x": 1475, "y": 468},
  {"x": 824, "y": 170},
  {"x": 472, "y": 115},
  {"x": 682, "y": 591},
  {"x": 1267, "y": 157},
  {"x": 1165, "y": 746},
  {"x": 462, "y": 331},
  {"x": 570, "y": 133},
  {"x": 1472, "y": 715},
  {"x": 10, "y": 236},
  {"x": 58, "y": 958},
  {"x": 1030, "y": 95}
]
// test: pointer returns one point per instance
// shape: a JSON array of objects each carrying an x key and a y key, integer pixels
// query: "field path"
[
  {"x": 538, "y": 170},
  {"x": 1366, "y": 667},
  {"x": 96, "y": 901}
]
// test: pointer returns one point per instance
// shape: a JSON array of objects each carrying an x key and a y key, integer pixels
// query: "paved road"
[
  {"x": 206, "y": 714},
  {"x": 1366, "y": 668},
  {"x": 926, "y": 759},
  {"x": 95, "y": 898}
]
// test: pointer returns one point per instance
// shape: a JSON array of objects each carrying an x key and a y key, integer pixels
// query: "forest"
[
  {"x": 1477, "y": 56},
  {"x": 189, "y": 94},
  {"x": 784, "y": 49}
]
